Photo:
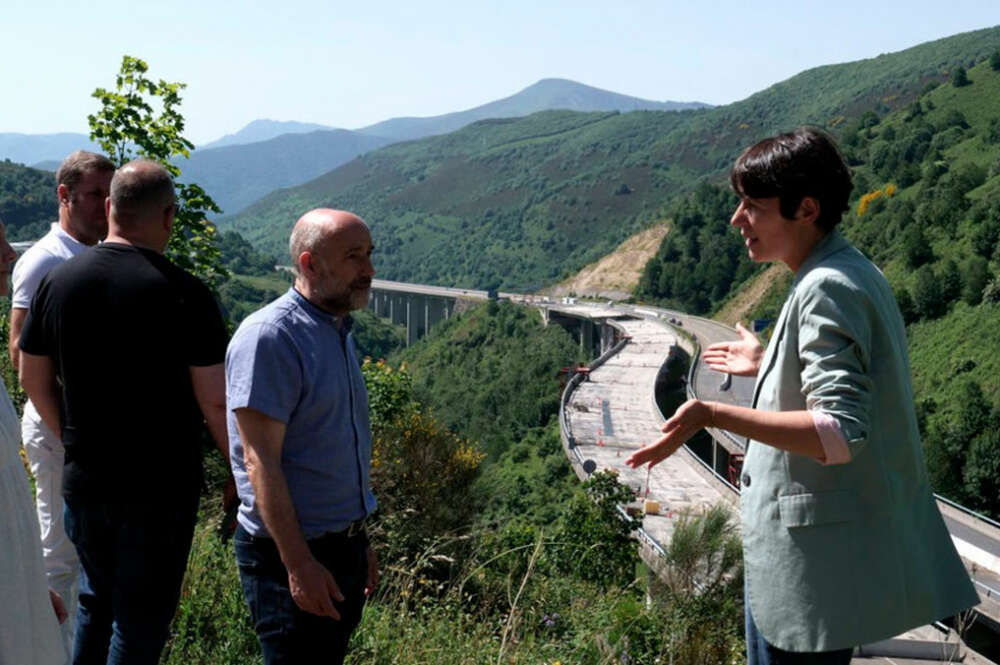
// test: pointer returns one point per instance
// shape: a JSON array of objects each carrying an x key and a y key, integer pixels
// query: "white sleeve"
[{"x": 29, "y": 271}]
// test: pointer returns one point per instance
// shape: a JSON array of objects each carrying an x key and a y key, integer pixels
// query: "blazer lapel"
[{"x": 772, "y": 348}]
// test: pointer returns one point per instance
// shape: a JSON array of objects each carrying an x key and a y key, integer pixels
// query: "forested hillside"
[
  {"x": 27, "y": 200},
  {"x": 521, "y": 203}
]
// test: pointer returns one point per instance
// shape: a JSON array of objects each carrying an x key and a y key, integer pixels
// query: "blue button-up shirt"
[{"x": 292, "y": 362}]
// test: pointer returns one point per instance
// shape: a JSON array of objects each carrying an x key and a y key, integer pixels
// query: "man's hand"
[
  {"x": 314, "y": 589},
  {"x": 58, "y": 606},
  {"x": 692, "y": 416},
  {"x": 230, "y": 499},
  {"x": 372, "y": 580},
  {"x": 741, "y": 357}
]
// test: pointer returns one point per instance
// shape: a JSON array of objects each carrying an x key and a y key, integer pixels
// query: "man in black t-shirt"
[{"x": 122, "y": 354}]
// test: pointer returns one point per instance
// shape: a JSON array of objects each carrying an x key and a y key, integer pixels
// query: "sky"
[{"x": 352, "y": 64}]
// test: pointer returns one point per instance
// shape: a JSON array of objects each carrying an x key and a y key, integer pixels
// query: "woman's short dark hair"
[{"x": 792, "y": 166}]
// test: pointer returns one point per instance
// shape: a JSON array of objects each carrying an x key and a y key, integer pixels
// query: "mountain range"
[
  {"x": 264, "y": 130},
  {"x": 30, "y": 149},
  {"x": 522, "y": 202},
  {"x": 266, "y": 155},
  {"x": 545, "y": 95}
]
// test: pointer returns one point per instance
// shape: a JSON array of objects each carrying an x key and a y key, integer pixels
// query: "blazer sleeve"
[{"x": 834, "y": 346}]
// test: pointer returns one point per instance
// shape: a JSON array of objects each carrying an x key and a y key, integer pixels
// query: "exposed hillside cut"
[{"x": 617, "y": 274}]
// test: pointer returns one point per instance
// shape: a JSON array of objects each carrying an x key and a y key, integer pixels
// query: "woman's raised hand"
[{"x": 741, "y": 357}]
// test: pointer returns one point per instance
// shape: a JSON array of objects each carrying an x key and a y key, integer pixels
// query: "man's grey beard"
[{"x": 346, "y": 300}]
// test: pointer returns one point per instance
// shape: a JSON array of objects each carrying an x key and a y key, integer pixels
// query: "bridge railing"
[
  {"x": 569, "y": 442},
  {"x": 971, "y": 513}
]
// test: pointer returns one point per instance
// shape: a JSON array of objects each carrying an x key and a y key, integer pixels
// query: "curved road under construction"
[{"x": 610, "y": 410}]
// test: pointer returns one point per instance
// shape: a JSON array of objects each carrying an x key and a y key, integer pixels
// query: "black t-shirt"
[{"x": 123, "y": 325}]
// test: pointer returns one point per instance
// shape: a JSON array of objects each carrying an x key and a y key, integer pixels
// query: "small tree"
[
  {"x": 127, "y": 127},
  {"x": 959, "y": 77},
  {"x": 995, "y": 61},
  {"x": 928, "y": 298}
]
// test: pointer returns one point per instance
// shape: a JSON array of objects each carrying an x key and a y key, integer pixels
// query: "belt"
[{"x": 355, "y": 528}]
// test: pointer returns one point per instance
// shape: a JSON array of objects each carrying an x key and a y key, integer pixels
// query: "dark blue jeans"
[
  {"x": 761, "y": 652},
  {"x": 288, "y": 635},
  {"x": 132, "y": 560}
]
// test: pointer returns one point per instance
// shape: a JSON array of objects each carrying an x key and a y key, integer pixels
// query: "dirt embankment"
[
  {"x": 751, "y": 294},
  {"x": 616, "y": 275}
]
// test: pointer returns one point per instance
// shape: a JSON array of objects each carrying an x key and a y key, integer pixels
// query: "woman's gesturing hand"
[
  {"x": 741, "y": 357},
  {"x": 690, "y": 417}
]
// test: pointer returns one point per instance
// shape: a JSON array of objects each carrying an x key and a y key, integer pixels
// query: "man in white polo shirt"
[{"x": 82, "y": 186}]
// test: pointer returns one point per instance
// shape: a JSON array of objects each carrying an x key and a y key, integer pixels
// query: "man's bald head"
[
  {"x": 141, "y": 191},
  {"x": 318, "y": 227},
  {"x": 331, "y": 251}
]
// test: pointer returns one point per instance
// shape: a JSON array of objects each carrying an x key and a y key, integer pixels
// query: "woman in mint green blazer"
[{"x": 843, "y": 542}]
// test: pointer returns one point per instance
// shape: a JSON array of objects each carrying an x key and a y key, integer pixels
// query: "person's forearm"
[
  {"x": 215, "y": 419},
  {"x": 38, "y": 378},
  {"x": 209, "y": 385},
  {"x": 794, "y": 431},
  {"x": 17, "y": 316},
  {"x": 278, "y": 513}
]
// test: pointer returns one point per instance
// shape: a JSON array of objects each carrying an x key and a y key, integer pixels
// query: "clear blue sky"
[{"x": 350, "y": 64}]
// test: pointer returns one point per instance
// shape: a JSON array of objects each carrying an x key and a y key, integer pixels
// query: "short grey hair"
[
  {"x": 79, "y": 163},
  {"x": 305, "y": 238},
  {"x": 141, "y": 188}
]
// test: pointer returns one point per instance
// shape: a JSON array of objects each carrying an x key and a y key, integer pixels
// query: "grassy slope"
[{"x": 526, "y": 202}]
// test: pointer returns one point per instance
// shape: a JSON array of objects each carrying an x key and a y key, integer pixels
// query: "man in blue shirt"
[{"x": 300, "y": 445}]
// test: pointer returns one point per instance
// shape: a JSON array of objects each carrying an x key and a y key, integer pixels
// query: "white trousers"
[{"x": 45, "y": 455}]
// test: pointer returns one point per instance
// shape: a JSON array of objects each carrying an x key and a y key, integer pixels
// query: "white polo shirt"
[{"x": 55, "y": 247}]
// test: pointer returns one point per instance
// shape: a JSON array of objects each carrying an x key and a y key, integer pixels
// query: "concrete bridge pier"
[
  {"x": 417, "y": 312},
  {"x": 586, "y": 336},
  {"x": 609, "y": 337}
]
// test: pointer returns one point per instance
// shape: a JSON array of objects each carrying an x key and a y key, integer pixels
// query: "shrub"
[{"x": 959, "y": 77}]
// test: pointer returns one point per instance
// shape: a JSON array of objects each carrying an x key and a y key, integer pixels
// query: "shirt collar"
[{"x": 347, "y": 321}]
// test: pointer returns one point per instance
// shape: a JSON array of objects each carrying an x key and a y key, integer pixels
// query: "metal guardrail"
[
  {"x": 575, "y": 380},
  {"x": 988, "y": 591},
  {"x": 967, "y": 511}
]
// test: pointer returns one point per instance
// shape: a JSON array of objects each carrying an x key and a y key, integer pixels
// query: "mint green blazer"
[{"x": 838, "y": 556}]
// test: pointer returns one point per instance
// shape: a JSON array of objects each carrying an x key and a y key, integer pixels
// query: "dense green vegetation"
[
  {"x": 27, "y": 201},
  {"x": 241, "y": 257},
  {"x": 493, "y": 373},
  {"x": 701, "y": 261},
  {"x": 520, "y": 203}
]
